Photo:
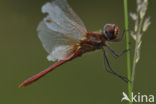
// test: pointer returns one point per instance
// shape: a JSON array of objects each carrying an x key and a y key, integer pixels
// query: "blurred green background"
[{"x": 81, "y": 81}]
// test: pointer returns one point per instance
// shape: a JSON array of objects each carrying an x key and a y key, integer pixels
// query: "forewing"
[
  {"x": 60, "y": 14},
  {"x": 65, "y": 7}
]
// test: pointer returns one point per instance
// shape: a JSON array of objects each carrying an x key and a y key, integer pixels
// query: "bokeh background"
[{"x": 81, "y": 81}]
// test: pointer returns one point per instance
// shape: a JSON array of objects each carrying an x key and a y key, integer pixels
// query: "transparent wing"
[
  {"x": 63, "y": 4},
  {"x": 60, "y": 53},
  {"x": 60, "y": 29},
  {"x": 56, "y": 44},
  {"x": 62, "y": 16}
]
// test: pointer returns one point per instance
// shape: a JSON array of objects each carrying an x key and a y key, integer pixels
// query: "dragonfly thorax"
[
  {"x": 93, "y": 41},
  {"x": 95, "y": 37}
]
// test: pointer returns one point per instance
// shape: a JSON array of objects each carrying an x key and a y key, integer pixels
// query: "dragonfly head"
[{"x": 111, "y": 31}]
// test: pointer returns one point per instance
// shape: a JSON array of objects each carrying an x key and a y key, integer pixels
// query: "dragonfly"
[{"x": 65, "y": 37}]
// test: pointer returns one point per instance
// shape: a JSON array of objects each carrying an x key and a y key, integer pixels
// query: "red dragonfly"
[{"x": 65, "y": 37}]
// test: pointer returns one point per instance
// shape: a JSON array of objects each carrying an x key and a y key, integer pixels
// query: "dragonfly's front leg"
[{"x": 115, "y": 54}]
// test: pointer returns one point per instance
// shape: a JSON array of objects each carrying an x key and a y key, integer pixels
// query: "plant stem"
[{"x": 127, "y": 47}]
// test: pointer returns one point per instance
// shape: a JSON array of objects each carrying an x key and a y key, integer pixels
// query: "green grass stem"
[{"x": 127, "y": 47}]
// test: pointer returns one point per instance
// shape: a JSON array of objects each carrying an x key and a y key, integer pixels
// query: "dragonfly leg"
[
  {"x": 115, "y": 54},
  {"x": 106, "y": 61}
]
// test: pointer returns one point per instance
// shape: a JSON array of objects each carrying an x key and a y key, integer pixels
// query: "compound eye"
[
  {"x": 111, "y": 31},
  {"x": 116, "y": 31}
]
